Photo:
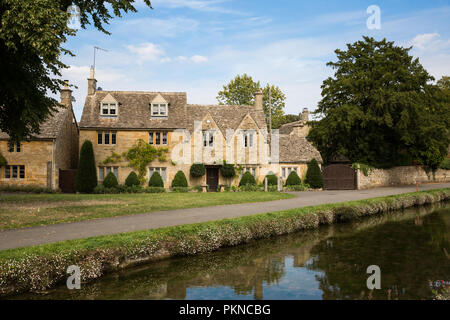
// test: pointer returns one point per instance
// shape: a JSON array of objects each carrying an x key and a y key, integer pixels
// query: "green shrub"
[
  {"x": 250, "y": 188},
  {"x": 314, "y": 175},
  {"x": 300, "y": 187},
  {"x": 86, "y": 176},
  {"x": 227, "y": 170},
  {"x": 197, "y": 188},
  {"x": 293, "y": 179},
  {"x": 110, "y": 181},
  {"x": 133, "y": 189},
  {"x": 445, "y": 164},
  {"x": 179, "y": 180},
  {"x": 154, "y": 190},
  {"x": 27, "y": 189},
  {"x": 132, "y": 180},
  {"x": 197, "y": 170},
  {"x": 156, "y": 180},
  {"x": 247, "y": 179},
  {"x": 272, "y": 180}
]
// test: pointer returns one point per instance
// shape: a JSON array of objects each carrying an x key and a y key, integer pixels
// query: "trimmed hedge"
[
  {"x": 132, "y": 180},
  {"x": 42, "y": 267},
  {"x": 445, "y": 164},
  {"x": 197, "y": 170},
  {"x": 110, "y": 181},
  {"x": 86, "y": 176},
  {"x": 179, "y": 181},
  {"x": 247, "y": 180},
  {"x": 293, "y": 179},
  {"x": 227, "y": 170},
  {"x": 314, "y": 175},
  {"x": 272, "y": 180},
  {"x": 156, "y": 180}
]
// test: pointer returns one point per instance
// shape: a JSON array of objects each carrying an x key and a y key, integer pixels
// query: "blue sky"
[{"x": 197, "y": 46}]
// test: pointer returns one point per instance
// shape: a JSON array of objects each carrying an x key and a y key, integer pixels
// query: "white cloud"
[
  {"x": 147, "y": 51},
  {"x": 198, "y": 59},
  {"x": 198, "y": 5},
  {"x": 429, "y": 42}
]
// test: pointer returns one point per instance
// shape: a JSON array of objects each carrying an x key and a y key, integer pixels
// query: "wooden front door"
[{"x": 212, "y": 179}]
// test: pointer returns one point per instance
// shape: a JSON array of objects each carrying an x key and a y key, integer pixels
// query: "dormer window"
[
  {"x": 159, "y": 109},
  {"x": 109, "y": 109}
]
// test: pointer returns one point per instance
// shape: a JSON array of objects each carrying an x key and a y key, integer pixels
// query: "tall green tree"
[
  {"x": 86, "y": 176},
  {"x": 380, "y": 107},
  {"x": 32, "y": 34},
  {"x": 241, "y": 91}
]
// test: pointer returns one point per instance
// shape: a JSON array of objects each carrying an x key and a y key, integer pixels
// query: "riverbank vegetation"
[
  {"x": 25, "y": 210},
  {"x": 41, "y": 267}
]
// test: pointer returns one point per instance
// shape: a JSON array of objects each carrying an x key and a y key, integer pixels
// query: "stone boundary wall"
[{"x": 399, "y": 176}]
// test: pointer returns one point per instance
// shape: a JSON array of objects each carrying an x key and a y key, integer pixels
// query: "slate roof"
[
  {"x": 134, "y": 111},
  {"x": 297, "y": 149},
  {"x": 225, "y": 116},
  {"x": 50, "y": 128},
  {"x": 288, "y": 127}
]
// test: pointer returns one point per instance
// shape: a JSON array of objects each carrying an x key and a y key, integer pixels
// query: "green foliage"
[
  {"x": 154, "y": 190},
  {"x": 287, "y": 118},
  {"x": 380, "y": 104},
  {"x": 3, "y": 161},
  {"x": 314, "y": 176},
  {"x": 113, "y": 158},
  {"x": 32, "y": 34},
  {"x": 227, "y": 170},
  {"x": 110, "y": 181},
  {"x": 180, "y": 189},
  {"x": 445, "y": 164},
  {"x": 156, "y": 180},
  {"x": 364, "y": 168},
  {"x": 86, "y": 176},
  {"x": 272, "y": 180},
  {"x": 247, "y": 180},
  {"x": 132, "y": 180},
  {"x": 299, "y": 187},
  {"x": 293, "y": 179},
  {"x": 241, "y": 91},
  {"x": 141, "y": 154},
  {"x": 197, "y": 170},
  {"x": 179, "y": 181},
  {"x": 27, "y": 189}
]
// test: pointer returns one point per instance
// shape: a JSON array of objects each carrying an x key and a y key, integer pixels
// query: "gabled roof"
[
  {"x": 297, "y": 149},
  {"x": 225, "y": 116},
  {"x": 51, "y": 127},
  {"x": 134, "y": 111},
  {"x": 288, "y": 127}
]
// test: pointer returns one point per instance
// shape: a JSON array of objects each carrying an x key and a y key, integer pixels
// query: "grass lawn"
[{"x": 26, "y": 210}]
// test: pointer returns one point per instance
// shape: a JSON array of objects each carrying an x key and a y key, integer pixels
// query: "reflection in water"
[{"x": 329, "y": 263}]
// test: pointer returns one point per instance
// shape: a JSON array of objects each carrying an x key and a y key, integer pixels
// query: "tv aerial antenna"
[{"x": 95, "y": 50}]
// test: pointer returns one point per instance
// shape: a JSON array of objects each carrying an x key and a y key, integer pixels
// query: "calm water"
[{"x": 411, "y": 247}]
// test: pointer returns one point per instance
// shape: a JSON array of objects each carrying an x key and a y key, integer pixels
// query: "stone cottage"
[
  {"x": 37, "y": 162},
  {"x": 210, "y": 134}
]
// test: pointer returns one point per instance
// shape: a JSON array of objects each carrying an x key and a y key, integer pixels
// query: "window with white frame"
[
  {"x": 161, "y": 171},
  {"x": 159, "y": 109},
  {"x": 285, "y": 171},
  {"x": 109, "y": 109},
  {"x": 14, "y": 172},
  {"x": 248, "y": 139},
  {"x": 104, "y": 171},
  {"x": 208, "y": 138}
]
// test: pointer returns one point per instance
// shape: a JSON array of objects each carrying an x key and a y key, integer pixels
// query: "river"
[{"x": 411, "y": 247}]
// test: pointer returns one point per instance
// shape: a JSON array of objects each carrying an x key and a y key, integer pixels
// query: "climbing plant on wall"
[{"x": 139, "y": 156}]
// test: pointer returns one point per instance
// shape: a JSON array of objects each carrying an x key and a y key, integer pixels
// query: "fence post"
[
  {"x": 280, "y": 184},
  {"x": 265, "y": 184}
]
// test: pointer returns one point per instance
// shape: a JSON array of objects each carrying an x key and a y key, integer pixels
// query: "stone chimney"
[
  {"x": 259, "y": 99},
  {"x": 66, "y": 95},
  {"x": 305, "y": 115},
  {"x": 92, "y": 83}
]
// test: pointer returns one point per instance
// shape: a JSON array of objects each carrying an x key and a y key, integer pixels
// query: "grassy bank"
[
  {"x": 41, "y": 267},
  {"x": 26, "y": 210}
]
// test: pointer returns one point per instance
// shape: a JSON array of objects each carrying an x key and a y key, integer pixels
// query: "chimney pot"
[
  {"x": 66, "y": 95},
  {"x": 92, "y": 83}
]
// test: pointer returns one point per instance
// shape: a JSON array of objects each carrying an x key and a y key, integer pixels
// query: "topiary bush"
[
  {"x": 197, "y": 170},
  {"x": 132, "y": 180},
  {"x": 110, "y": 181},
  {"x": 314, "y": 175},
  {"x": 227, "y": 170},
  {"x": 156, "y": 180},
  {"x": 445, "y": 164},
  {"x": 86, "y": 176},
  {"x": 179, "y": 181},
  {"x": 293, "y": 179},
  {"x": 247, "y": 180},
  {"x": 272, "y": 180}
]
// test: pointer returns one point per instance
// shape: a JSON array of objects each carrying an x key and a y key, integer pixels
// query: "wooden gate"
[
  {"x": 339, "y": 177},
  {"x": 67, "y": 180}
]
